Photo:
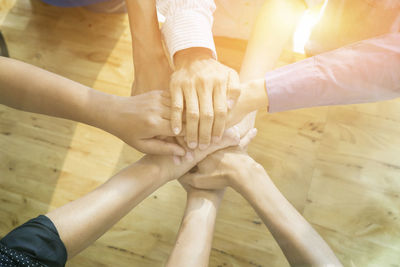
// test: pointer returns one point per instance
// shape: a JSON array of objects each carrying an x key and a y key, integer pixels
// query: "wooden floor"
[{"x": 339, "y": 166}]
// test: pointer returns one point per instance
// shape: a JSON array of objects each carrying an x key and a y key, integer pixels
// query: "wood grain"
[{"x": 339, "y": 166}]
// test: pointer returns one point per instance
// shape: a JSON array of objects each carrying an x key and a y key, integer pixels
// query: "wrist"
[
  {"x": 213, "y": 196},
  {"x": 185, "y": 57},
  {"x": 255, "y": 96},
  {"x": 248, "y": 179},
  {"x": 99, "y": 108}
]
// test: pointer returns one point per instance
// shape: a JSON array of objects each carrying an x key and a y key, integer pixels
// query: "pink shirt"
[{"x": 367, "y": 71}]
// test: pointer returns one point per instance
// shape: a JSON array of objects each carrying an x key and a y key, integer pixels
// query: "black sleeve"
[{"x": 39, "y": 240}]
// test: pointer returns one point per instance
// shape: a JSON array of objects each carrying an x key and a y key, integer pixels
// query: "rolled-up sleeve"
[
  {"x": 188, "y": 23},
  {"x": 366, "y": 71}
]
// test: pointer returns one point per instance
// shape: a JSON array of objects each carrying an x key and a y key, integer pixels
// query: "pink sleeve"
[{"x": 367, "y": 71}]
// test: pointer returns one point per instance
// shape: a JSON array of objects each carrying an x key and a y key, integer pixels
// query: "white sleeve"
[{"x": 188, "y": 23}]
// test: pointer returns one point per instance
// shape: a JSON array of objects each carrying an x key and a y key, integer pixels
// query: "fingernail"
[
  {"x": 230, "y": 103},
  {"x": 192, "y": 145},
  {"x": 177, "y": 160},
  {"x": 189, "y": 156},
  {"x": 203, "y": 146},
  {"x": 216, "y": 139},
  {"x": 180, "y": 152},
  {"x": 176, "y": 130}
]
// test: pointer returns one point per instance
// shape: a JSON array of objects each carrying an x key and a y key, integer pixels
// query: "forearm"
[
  {"x": 26, "y": 87},
  {"x": 193, "y": 244},
  {"x": 145, "y": 31},
  {"x": 263, "y": 50},
  {"x": 273, "y": 28},
  {"x": 300, "y": 243},
  {"x": 84, "y": 220}
]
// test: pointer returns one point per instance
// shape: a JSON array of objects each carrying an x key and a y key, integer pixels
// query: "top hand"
[{"x": 202, "y": 83}]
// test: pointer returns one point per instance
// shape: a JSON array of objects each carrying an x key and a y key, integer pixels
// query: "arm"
[
  {"x": 28, "y": 88},
  {"x": 148, "y": 51},
  {"x": 192, "y": 247},
  {"x": 81, "y": 222},
  {"x": 300, "y": 243},
  {"x": 268, "y": 38},
  {"x": 199, "y": 80},
  {"x": 366, "y": 71},
  {"x": 272, "y": 29}
]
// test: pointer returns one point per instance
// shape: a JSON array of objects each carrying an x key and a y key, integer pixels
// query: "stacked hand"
[{"x": 204, "y": 88}]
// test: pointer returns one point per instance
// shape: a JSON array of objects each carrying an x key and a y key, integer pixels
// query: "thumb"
[
  {"x": 234, "y": 88},
  {"x": 160, "y": 147},
  {"x": 245, "y": 141}
]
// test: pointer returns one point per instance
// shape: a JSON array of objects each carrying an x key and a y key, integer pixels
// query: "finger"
[
  {"x": 220, "y": 112},
  {"x": 181, "y": 142},
  {"x": 192, "y": 116},
  {"x": 166, "y": 113},
  {"x": 206, "y": 117},
  {"x": 176, "y": 108},
  {"x": 231, "y": 137},
  {"x": 160, "y": 147},
  {"x": 233, "y": 88},
  {"x": 163, "y": 128},
  {"x": 245, "y": 141}
]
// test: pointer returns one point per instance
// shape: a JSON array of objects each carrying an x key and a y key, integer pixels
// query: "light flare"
[{"x": 307, "y": 22}]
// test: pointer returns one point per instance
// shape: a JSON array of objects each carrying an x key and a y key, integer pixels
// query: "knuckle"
[
  {"x": 221, "y": 112},
  {"x": 208, "y": 116},
  {"x": 176, "y": 108},
  {"x": 193, "y": 115}
]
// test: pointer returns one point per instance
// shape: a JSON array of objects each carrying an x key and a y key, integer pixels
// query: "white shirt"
[{"x": 189, "y": 23}]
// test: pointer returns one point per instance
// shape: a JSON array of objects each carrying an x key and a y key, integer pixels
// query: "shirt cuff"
[{"x": 188, "y": 29}]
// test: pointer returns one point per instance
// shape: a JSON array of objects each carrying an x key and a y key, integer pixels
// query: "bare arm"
[
  {"x": 148, "y": 52},
  {"x": 193, "y": 246},
  {"x": 82, "y": 221},
  {"x": 300, "y": 243},
  {"x": 28, "y": 88}
]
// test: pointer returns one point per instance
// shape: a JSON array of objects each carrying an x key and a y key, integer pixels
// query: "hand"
[
  {"x": 170, "y": 169},
  {"x": 229, "y": 167},
  {"x": 138, "y": 120},
  {"x": 204, "y": 85},
  {"x": 253, "y": 97},
  {"x": 193, "y": 192}
]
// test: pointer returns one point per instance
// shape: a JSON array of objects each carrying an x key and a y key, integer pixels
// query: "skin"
[
  {"x": 192, "y": 248},
  {"x": 148, "y": 51},
  {"x": 300, "y": 243},
  {"x": 202, "y": 205},
  {"x": 253, "y": 96},
  {"x": 202, "y": 86},
  {"x": 28, "y": 88},
  {"x": 81, "y": 222}
]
